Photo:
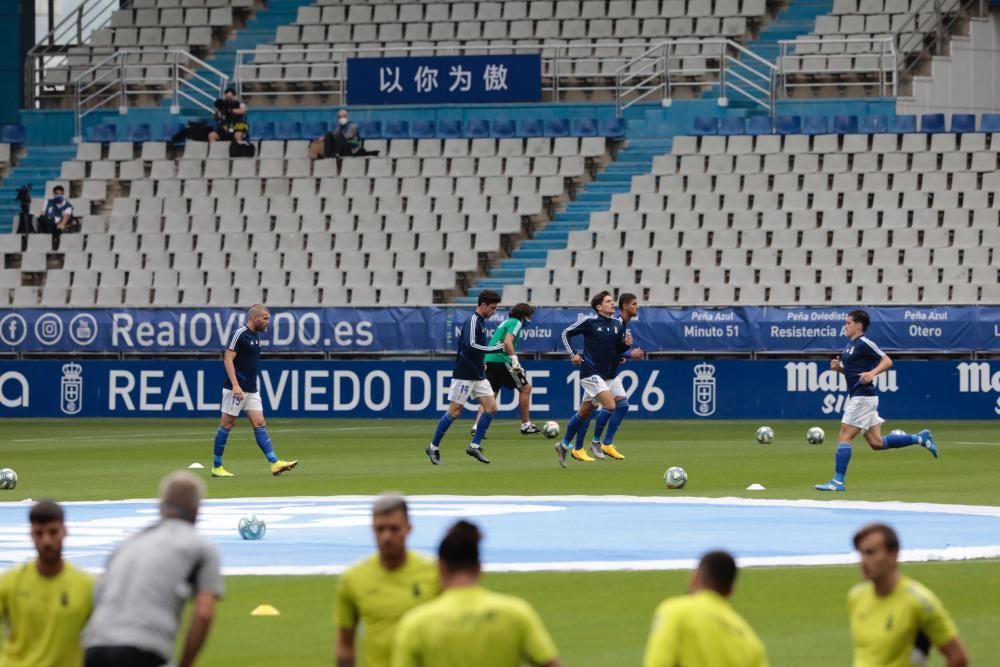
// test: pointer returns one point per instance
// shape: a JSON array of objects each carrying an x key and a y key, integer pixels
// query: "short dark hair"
[
  {"x": 46, "y": 511},
  {"x": 596, "y": 300},
  {"x": 489, "y": 297},
  {"x": 58, "y": 188},
  {"x": 231, "y": 89},
  {"x": 625, "y": 298},
  {"x": 887, "y": 533},
  {"x": 718, "y": 571},
  {"x": 861, "y": 317},
  {"x": 459, "y": 549},
  {"x": 522, "y": 311}
]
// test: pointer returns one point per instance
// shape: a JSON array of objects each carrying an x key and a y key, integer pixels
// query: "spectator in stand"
[
  {"x": 346, "y": 140},
  {"x": 231, "y": 116},
  {"x": 58, "y": 213}
]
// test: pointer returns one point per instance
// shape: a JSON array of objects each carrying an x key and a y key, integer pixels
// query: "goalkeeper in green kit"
[{"x": 503, "y": 368}]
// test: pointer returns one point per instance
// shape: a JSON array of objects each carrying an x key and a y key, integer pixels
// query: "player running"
[
  {"x": 503, "y": 369},
  {"x": 239, "y": 392},
  {"x": 468, "y": 380},
  {"x": 605, "y": 339},
  {"x": 862, "y": 361}
]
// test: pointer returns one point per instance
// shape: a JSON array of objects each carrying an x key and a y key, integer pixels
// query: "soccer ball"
[
  {"x": 815, "y": 435},
  {"x": 252, "y": 527},
  {"x": 8, "y": 479},
  {"x": 765, "y": 434},
  {"x": 550, "y": 429},
  {"x": 675, "y": 477},
  {"x": 897, "y": 431}
]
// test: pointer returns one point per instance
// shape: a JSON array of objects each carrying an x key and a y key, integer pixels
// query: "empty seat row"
[
  {"x": 783, "y": 163},
  {"x": 932, "y": 123},
  {"x": 817, "y": 184},
  {"x": 167, "y": 17}
]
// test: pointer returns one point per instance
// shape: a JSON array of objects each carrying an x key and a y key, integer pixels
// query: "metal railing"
[
  {"x": 53, "y": 50},
  {"x": 815, "y": 62},
  {"x": 719, "y": 63},
  {"x": 579, "y": 69},
  {"x": 925, "y": 31},
  {"x": 111, "y": 83}
]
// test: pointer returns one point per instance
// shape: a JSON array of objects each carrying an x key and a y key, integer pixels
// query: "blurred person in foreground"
[
  {"x": 45, "y": 602},
  {"x": 702, "y": 629},
  {"x": 376, "y": 592},
  {"x": 147, "y": 582}
]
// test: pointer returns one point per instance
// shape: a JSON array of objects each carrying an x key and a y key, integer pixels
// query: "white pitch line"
[{"x": 141, "y": 434}]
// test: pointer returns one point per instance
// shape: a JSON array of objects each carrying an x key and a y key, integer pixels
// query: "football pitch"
[{"x": 597, "y": 618}]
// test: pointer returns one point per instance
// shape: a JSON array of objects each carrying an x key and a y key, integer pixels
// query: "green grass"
[
  {"x": 112, "y": 459},
  {"x": 597, "y": 619}
]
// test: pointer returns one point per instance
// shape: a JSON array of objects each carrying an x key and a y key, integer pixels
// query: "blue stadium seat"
[
  {"x": 877, "y": 124},
  {"x": 169, "y": 130},
  {"x": 557, "y": 127},
  {"x": 102, "y": 134},
  {"x": 584, "y": 127},
  {"x": 289, "y": 130},
  {"x": 503, "y": 128},
  {"x": 138, "y": 133},
  {"x": 963, "y": 122},
  {"x": 12, "y": 134},
  {"x": 532, "y": 127},
  {"x": 815, "y": 125},
  {"x": 731, "y": 125},
  {"x": 612, "y": 127},
  {"x": 990, "y": 122},
  {"x": 423, "y": 129},
  {"x": 758, "y": 125},
  {"x": 932, "y": 122},
  {"x": 705, "y": 125},
  {"x": 477, "y": 129},
  {"x": 845, "y": 124},
  {"x": 315, "y": 129},
  {"x": 788, "y": 124},
  {"x": 449, "y": 129},
  {"x": 904, "y": 124},
  {"x": 396, "y": 129},
  {"x": 264, "y": 130},
  {"x": 370, "y": 129}
]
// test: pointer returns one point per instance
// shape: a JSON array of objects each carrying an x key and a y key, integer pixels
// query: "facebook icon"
[{"x": 13, "y": 329}]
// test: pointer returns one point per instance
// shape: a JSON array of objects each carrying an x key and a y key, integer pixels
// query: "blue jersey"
[
  {"x": 860, "y": 356},
  {"x": 603, "y": 344},
  {"x": 473, "y": 346},
  {"x": 246, "y": 345}
]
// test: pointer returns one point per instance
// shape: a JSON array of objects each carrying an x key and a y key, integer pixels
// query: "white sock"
[
  {"x": 473, "y": 445},
  {"x": 525, "y": 424},
  {"x": 434, "y": 448}
]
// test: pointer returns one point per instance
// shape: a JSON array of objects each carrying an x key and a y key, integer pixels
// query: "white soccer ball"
[
  {"x": 550, "y": 429},
  {"x": 675, "y": 477},
  {"x": 815, "y": 435},
  {"x": 8, "y": 479},
  {"x": 765, "y": 435},
  {"x": 252, "y": 527},
  {"x": 897, "y": 431}
]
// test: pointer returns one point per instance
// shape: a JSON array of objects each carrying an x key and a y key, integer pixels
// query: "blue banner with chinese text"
[{"x": 445, "y": 79}]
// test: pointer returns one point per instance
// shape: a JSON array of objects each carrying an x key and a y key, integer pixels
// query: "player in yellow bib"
[
  {"x": 376, "y": 592},
  {"x": 894, "y": 619},
  {"x": 469, "y": 626},
  {"x": 702, "y": 629},
  {"x": 45, "y": 603}
]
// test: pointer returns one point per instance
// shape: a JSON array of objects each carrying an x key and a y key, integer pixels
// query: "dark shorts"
[
  {"x": 121, "y": 656},
  {"x": 499, "y": 376}
]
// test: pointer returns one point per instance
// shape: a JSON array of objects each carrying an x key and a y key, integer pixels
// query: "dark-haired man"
[
  {"x": 894, "y": 619},
  {"x": 58, "y": 213},
  {"x": 467, "y": 624},
  {"x": 377, "y": 591},
  {"x": 702, "y": 629},
  {"x": 605, "y": 339},
  {"x": 503, "y": 368},
  {"x": 860, "y": 363},
  {"x": 468, "y": 379},
  {"x": 231, "y": 115},
  {"x": 44, "y": 603}
]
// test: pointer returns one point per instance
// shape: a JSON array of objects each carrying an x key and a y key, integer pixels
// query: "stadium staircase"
[
  {"x": 635, "y": 159},
  {"x": 39, "y": 165}
]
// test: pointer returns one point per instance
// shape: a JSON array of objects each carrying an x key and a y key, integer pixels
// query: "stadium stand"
[{"x": 795, "y": 219}]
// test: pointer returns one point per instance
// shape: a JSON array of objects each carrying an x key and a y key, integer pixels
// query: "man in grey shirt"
[{"x": 149, "y": 578}]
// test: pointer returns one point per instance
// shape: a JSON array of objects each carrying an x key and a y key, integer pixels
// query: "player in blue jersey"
[
  {"x": 860, "y": 362},
  {"x": 605, "y": 340},
  {"x": 239, "y": 392},
  {"x": 468, "y": 379}
]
